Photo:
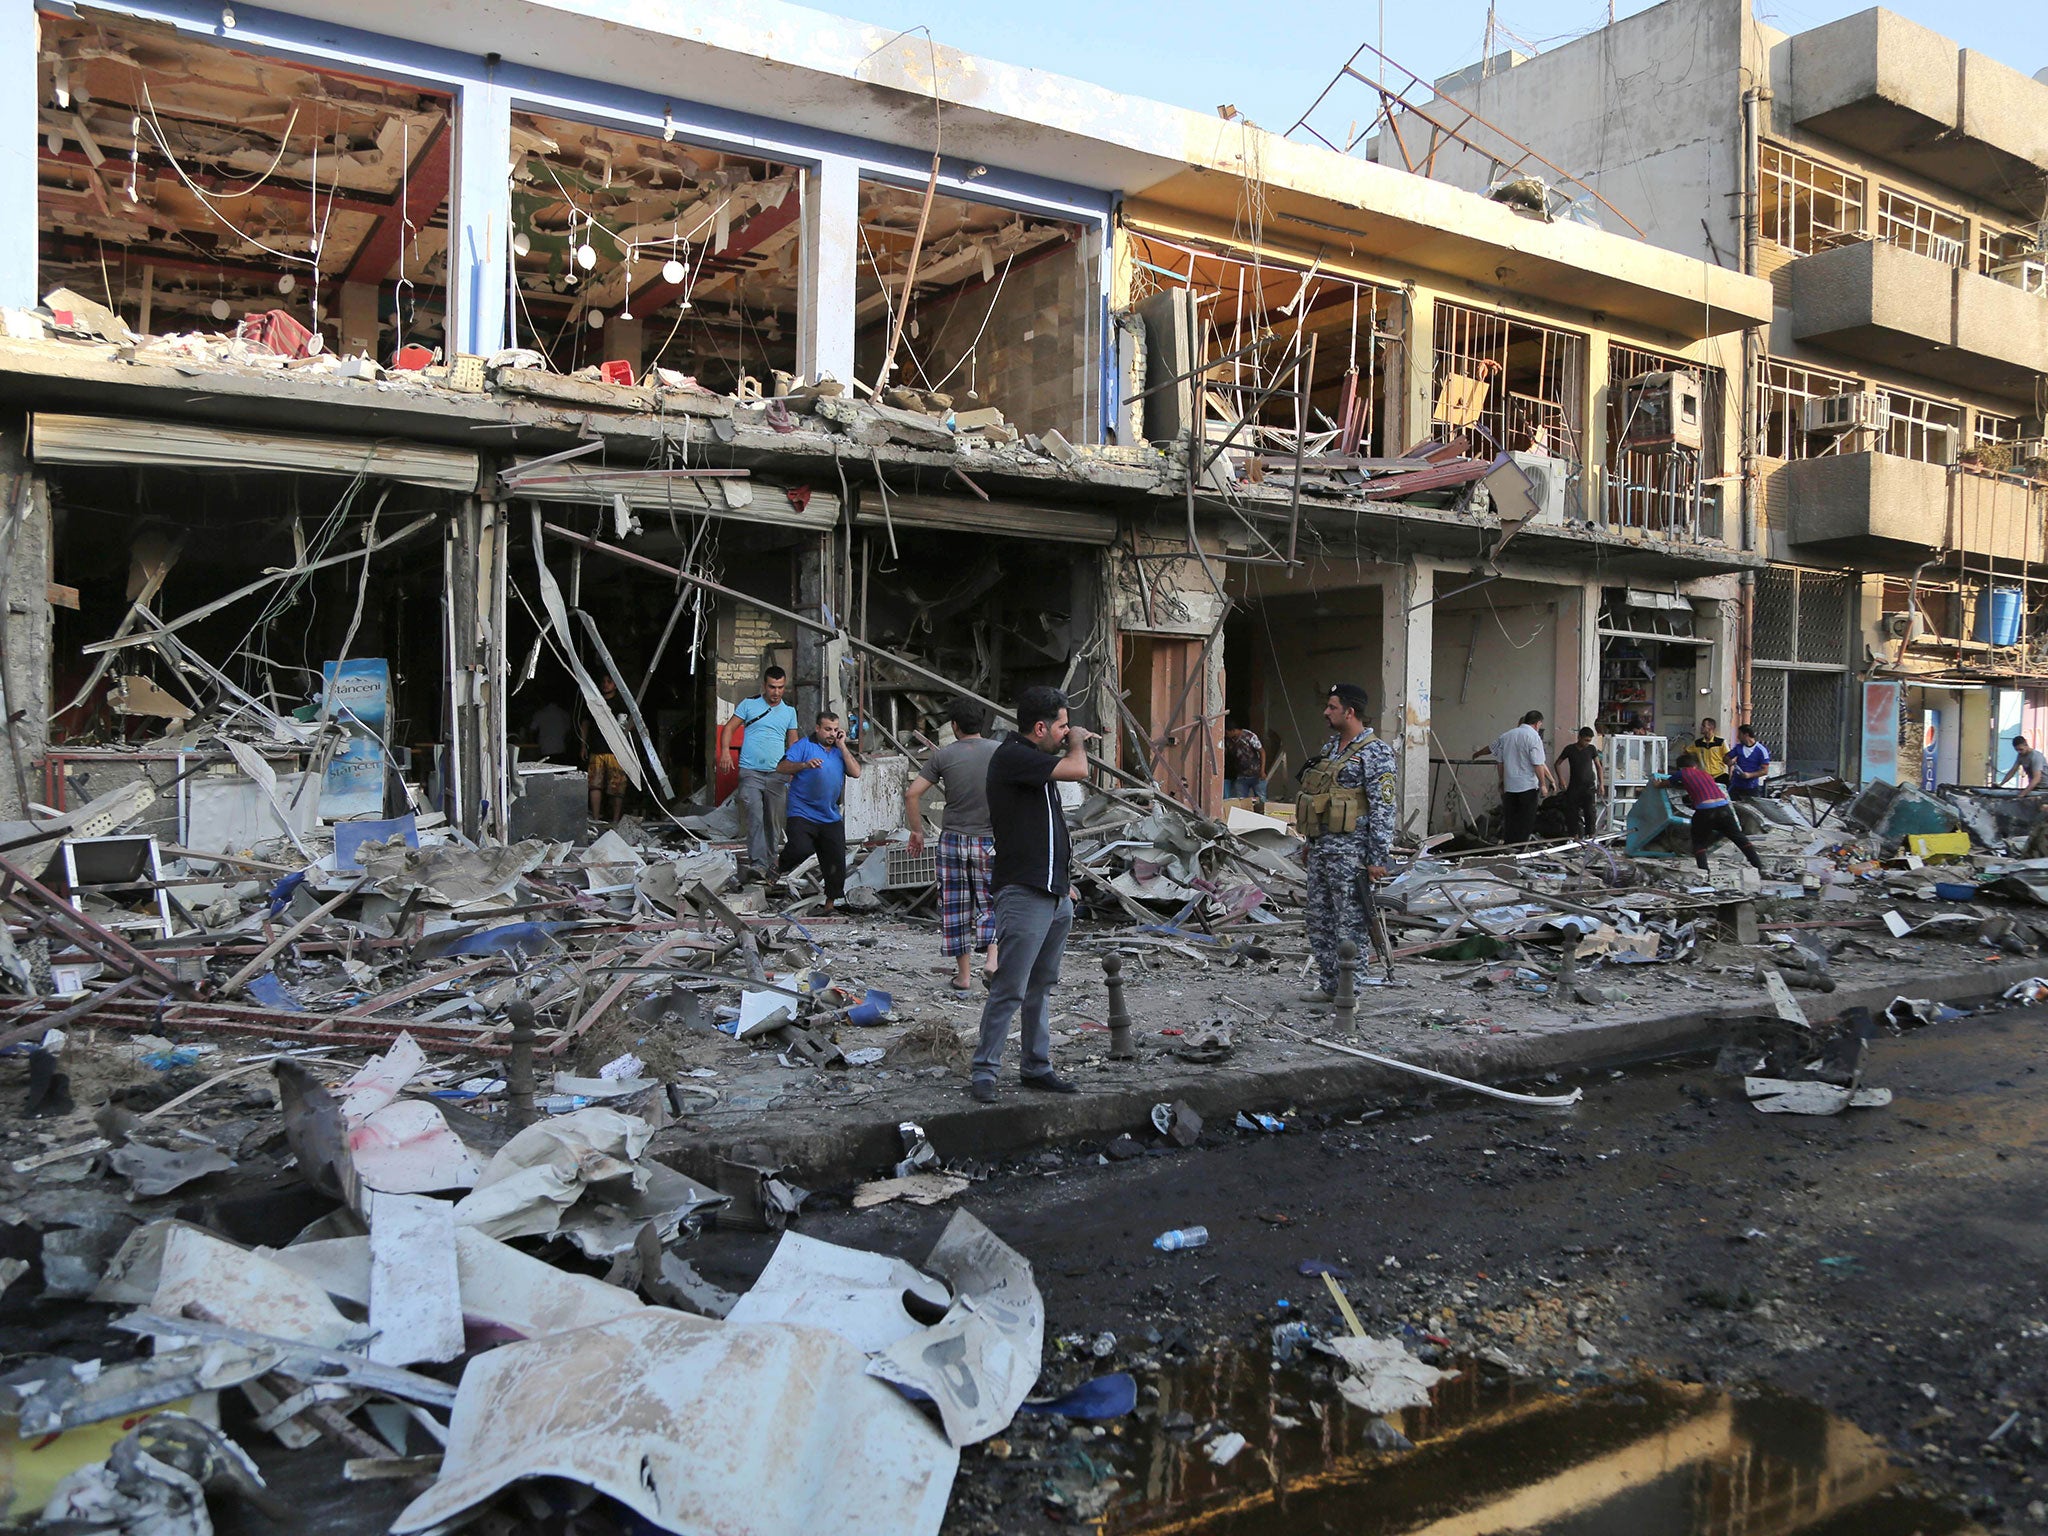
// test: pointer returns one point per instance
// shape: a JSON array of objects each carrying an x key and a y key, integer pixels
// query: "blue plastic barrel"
[{"x": 1998, "y": 616}]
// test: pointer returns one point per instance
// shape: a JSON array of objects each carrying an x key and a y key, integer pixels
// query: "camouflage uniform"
[{"x": 1335, "y": 859}]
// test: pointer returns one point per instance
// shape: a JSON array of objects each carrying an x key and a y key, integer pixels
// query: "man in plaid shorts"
[{"x": 967, "y": 842}]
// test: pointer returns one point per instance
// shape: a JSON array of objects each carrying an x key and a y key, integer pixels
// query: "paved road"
[{"x": 1892, "y": 1263}]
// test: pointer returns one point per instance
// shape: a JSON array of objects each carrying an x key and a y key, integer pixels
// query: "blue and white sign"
[{"x": 357, "y": 693}]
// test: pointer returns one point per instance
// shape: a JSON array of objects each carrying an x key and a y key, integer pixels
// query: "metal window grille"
[
  {"x": 1922, "y": 228},
  {"x": 1662, "y": 492},
  {"x": 1774, "y": 629},
  {"x": 1825, "y": 604},
  {"x": 1530, "y": 381},
  {"x": 1800, "y": 201}
]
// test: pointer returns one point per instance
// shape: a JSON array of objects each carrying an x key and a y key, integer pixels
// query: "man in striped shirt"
[{"x": 1713, "y": 817}]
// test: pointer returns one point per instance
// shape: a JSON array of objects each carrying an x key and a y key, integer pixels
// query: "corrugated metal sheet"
[
  {"x": 964, "y": 514},
  {"x": 104, "y": 440},
  {"x": 745, "y": 500}
]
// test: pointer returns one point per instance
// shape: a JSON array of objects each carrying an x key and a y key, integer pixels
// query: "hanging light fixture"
[
  {"x": 596, "y": 318},
  {"x": 521, "y": 245},
  {"x": 287, "y": 283}
]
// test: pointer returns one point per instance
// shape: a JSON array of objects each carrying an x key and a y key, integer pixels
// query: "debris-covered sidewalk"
[{"x": 368, "y": 1139}]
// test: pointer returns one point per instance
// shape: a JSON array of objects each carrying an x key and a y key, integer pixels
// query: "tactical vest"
[{"x": 1323, "y": 806}]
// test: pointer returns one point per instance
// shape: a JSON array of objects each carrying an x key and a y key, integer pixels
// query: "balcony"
[
  {"x": 1877, "y": 509},
  {"x": 1878, "y": 83},
  {"x": 1887, "y": 305}
]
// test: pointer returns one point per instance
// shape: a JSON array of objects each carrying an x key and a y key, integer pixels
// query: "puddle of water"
[{"x": 1495, "y": 1453}]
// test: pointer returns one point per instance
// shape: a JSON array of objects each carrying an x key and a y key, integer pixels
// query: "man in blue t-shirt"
[
  {"x": 1749, "y": 760},
  {"x": 817, "y": 769},
  {"x": 771, "y": 731}
]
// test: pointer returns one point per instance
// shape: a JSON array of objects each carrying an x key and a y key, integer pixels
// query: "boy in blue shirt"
[
  {"x": 1748, "y": 762},
  {"x": 771, "y": 731},
  {"x": 817, "y": 769}
]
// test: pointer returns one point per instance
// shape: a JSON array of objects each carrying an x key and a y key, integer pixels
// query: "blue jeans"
[
  {"x": 1031, "y": 935},
  {"x": 1248, "y": 787}
]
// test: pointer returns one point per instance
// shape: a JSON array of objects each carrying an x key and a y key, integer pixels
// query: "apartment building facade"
[
  {"x": 1892, "y": 188},
  {"x": 702, "y": 341}
]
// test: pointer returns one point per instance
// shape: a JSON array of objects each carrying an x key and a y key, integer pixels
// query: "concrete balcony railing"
[
  {"x": 1881, "y": 84},
  {"x": 1877, "y": 509},
  {"x": 1888, "y": 305}
]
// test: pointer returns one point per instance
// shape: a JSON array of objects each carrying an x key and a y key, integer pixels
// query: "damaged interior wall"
[{"x": 1000, "y": 313}]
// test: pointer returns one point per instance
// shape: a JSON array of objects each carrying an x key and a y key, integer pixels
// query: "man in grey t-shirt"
[
  {"x": 967, "y": 843},
  {"x": 2030, "y": 763}
]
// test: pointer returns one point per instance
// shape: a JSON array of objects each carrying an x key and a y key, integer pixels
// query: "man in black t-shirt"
[
  {"x": 1031, "y": 879},
  {"x": 1580, "y": 768}
]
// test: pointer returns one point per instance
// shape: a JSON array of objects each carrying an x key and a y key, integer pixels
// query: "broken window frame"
[
  {"x": 1924, "y": 228},
  {"x": 1798, "y": 686},
  {"x": 1662, "y": 492},
  {"x": 1374, "y": 350},
  {"x": 1479, "y": 342},
  {"x": 1918, "y": 424},
  {"x": 1791, "y": 191}
]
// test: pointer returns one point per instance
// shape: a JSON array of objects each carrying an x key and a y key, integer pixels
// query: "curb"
[{"x": 838, "y": 1154}]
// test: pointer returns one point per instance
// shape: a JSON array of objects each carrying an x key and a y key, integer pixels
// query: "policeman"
[{"x": 1346, "y": 811}]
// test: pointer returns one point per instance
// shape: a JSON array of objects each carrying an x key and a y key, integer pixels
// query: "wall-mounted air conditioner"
[
  {"x": 1547, "y": 485},
  {"x": 1863, "y": 410},
  {"x": 1662, "y": 411},
  {"x": 1904, "y": 626}
]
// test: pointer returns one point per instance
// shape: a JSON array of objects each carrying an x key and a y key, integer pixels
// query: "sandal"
[{"x": 954, "y": 984}]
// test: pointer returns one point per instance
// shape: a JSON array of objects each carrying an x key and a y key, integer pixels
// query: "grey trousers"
[
  {"x": 1031, "y": 935},
  {"x": 762, "y": 799}
]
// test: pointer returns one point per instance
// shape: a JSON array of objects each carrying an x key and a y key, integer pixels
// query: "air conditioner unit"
[
  {"x": 1548, "y": 479},
  {"x": 1662, "y": 411},
  {"x": 1904, "y": 626},
  {"x": 1863, "y": 410},
  {"x": 2029, "y": 450},
  {"x": 2028, "y": 273}
]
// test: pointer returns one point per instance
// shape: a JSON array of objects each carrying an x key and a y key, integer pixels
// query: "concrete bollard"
[
  {"x": 1347, "y": 986},
  {"x": 1120, "y": 1047},
  {"x": 519, "y": 1070}
]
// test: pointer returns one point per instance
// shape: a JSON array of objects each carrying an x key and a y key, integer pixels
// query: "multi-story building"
[
  {"x": 1893, "y": 188},
  {"x": 520, "y": 345}
]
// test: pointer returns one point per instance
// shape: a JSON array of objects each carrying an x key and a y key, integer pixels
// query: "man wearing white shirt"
[{"x": 1525, "y": 776}]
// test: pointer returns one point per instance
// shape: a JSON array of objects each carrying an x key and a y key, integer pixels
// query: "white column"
[
  {"x": 831, "y": 257},
  {"x": 18, "y": 92},
  {"x": 480, "y": 220},
  {"x": 1407, "y": 637}
]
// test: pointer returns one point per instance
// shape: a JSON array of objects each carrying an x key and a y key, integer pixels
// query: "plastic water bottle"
[{"x": 1181, "y": 1237}]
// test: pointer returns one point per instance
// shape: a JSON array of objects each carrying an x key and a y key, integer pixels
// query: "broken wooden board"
[
  {"x": 1783, "y": 1003},
  {"x": 538, "y": 384}
]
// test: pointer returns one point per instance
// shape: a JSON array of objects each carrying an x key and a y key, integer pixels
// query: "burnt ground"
[{"x": 1891, "y": 1264}]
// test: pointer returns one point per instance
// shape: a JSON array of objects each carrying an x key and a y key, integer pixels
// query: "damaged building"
[
  {"x": 364, "y": 361},
  {"x": 1892, "y": 187}
]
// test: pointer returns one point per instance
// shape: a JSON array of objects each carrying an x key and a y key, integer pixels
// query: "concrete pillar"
[
  {"x": 1416, "y": 396},
  {"x": 812, "y": 686},
  {"x": 1593, "y": 401},
  {"x": 831, "y": 258},
  {"x": 18, "y": 102},
  {"x": 480, "y": 221},
  {"x": 26, "y": 616},
  {"x": 624, "y": 339},
  {"x": 1407, "y": 637},
  {"x": 358, "y": 315}
]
